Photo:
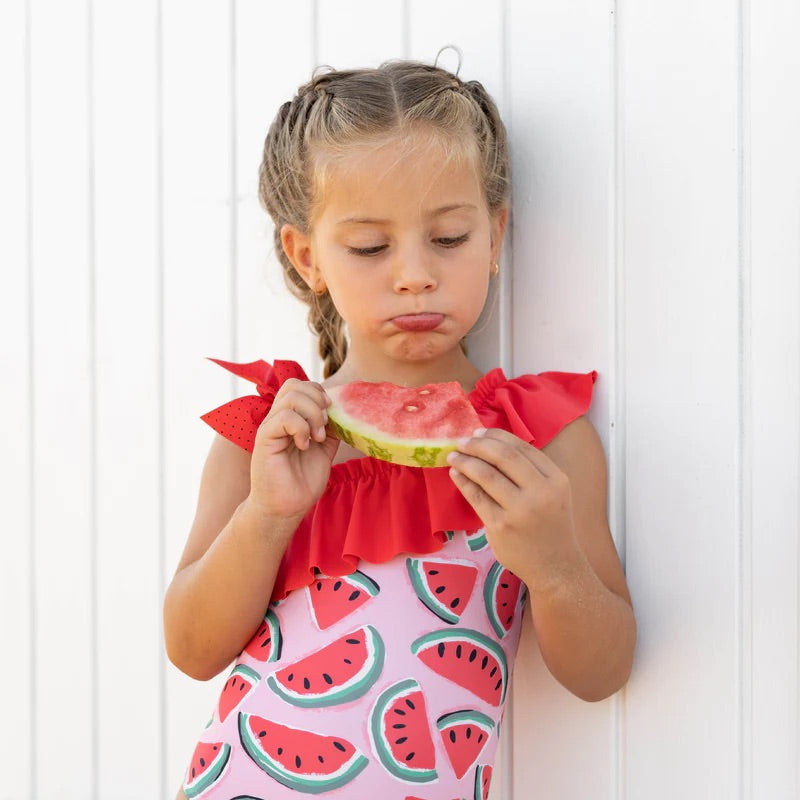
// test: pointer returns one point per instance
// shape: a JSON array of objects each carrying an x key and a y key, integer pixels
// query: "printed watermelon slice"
[
  {"x": 240, "y": 683},
  {"x": 465, "y": 734},
  {"x": 267, "y": 642},
  {"x": 483, "y": 779},
  {"x": 400, "y": 734},
  {"x": 503, "y": 592},
  {"x": 415, "y": 426},
  {"x": 443, "y": 585},
  {"x": 476, "y": 540},
  {"x": 302, "y": 760},
  {"x": 467, "y": 658},
  {"x": 337, "y": 673},
  {"x": 207, "y": 766},
  {"x": 331, "y": 599}
]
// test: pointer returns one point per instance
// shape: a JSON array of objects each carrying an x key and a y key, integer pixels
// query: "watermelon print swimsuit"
[{"x": 383, "y": 662}]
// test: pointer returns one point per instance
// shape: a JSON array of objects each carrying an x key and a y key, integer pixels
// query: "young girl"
[{"x": 373, "y": 610}]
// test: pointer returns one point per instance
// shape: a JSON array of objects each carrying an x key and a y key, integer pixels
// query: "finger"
[
  {"x": 287, "y": 423},
  {"x": 487, "y": 476},
  {"x": 508, "y": 453},
  {"x": 306, "y": 404},
  {"x": 484, "y": 506},
  {"x": 311, "y": 388}
]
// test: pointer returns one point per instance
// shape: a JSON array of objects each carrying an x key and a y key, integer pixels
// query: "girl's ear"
[
  {"x": 297, "y": 246},
  {"x": 498, "y": 229}
]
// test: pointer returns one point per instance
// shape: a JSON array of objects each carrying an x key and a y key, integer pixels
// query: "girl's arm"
[
  {"x": 224, "y": 579},
  {"x": 546, "y": 519}
]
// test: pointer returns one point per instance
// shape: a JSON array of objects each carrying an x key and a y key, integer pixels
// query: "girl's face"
[{"x": 404, "y": 243}]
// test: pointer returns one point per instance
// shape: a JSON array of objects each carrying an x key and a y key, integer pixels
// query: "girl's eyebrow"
[{"x": 430, "y": 214}]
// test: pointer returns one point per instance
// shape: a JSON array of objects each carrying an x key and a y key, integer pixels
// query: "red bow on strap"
[{"x": 238, "y": 420}]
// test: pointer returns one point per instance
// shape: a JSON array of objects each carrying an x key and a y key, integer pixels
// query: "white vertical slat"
[
  {"x": 681, "y": 255},
  {"x": 271, "y": 323},
  {"x": 63, "y": 399},
  {"x": 128, "y": 592},
  {"x": 198, "y": 302},
  {"x": 476, "y": 28},
  {"x": 774, "y": 163},
  {"x": 16, "y": 620},
  {"x": 562, "y": 105},
  {"x": 359, "y": 33}
]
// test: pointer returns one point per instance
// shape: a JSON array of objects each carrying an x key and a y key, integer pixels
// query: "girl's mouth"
[{"x": 418, "y": 322}]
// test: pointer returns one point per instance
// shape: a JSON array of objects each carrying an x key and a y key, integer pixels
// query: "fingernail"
[
  {"x": 463, "y": 442},
  {"x": 451, "y": 456},
  {"x": 479, "y": 431},
  {"x": 324, "y": 416},
  {"x": 321, "y": 434}
]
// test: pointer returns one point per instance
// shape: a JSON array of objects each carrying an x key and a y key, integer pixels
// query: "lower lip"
[{"x": 419, "y": 322}]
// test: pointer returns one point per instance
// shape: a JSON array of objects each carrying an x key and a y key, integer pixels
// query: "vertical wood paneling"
[
  {"x": 127, "y": 365},
  {"x": 774, "y": 219},
  {"x": 270, "y": 322},
  {"x": 682, "y": 383},
  {"x": 198, "y": 301},
  {"x": 16, "y": 612},
  {"x": 63, "y": 401},
  {"x": 562, "y": 105}
]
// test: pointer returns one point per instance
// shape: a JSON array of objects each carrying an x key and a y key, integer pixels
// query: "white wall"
[{"x": 656, "y": 238}]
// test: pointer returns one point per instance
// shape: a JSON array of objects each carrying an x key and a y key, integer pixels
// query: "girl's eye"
[
  {"x": 452, "y": 241},
  {"x": 366, "y": 251}
]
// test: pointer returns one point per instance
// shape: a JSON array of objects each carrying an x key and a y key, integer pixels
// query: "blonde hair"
[{"x": 338, "y": 110}]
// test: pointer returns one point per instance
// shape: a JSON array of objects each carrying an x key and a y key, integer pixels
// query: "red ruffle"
[{"x": 374, "y": 510}]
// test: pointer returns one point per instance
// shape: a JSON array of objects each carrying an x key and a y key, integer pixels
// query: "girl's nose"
[{"x": 412, "y": 274}]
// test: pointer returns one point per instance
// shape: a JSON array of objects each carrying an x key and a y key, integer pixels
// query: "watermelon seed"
[
  {"x": 353, "y": 641},
  {"x": 508, "y": 620},
  {"x": 493, "y": 672},
  {"x": 484, "y": 662},
  {"x": 297, "y": 762},
  {"x": 327, "y": 678},
  {"x": 458, "y": 651},
  {"x": 469, "y": 732},
  {"x": 440, "y": 649},
  {"x": 319, "y": 586},
  {"x": 410, "y": 756},
  {"x": 439, "y": 589},
  {"x": 280, "y": 751},
  {"x": 339, "y": 746},
  {"x": 399, "y": 711},
  {"x": 498, "y": 684},
  {"x": 193, "y": 772},
  {"x": 337, "y": 586},
  {"x": 504, "y": 585},
  {"x": 453, "y": 737},
  {"x": 290, "y": 676},
  {"x": 480, "y": 738},
  {"x": 241, "y": 688},
  {"x": 321, "y": 759},
  {"x": 401, "y": 740},
  {"x": 399, "y": 725},
  {"x": 410, "y": 704},
  {"x": 266, "y": 642},
  {"x": 262, "y": 734},
  {"x": 306, "y": 683},
  {"x": 455, "y": 602},
  {"x": 473, "y": 655},
  {"x": 433, "y": 572},
  {"x": 355, "y": 594},
  {"x": 202, "y": 762}
]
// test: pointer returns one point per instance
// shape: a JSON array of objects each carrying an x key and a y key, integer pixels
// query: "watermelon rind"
[
  {"x": 210, "y": 775},
  {"x": 382, "y": 747},
  {"x": 490, "y": 589},
  {"x": 409, "y": 452},
  {"x": 416, "y": 572},
  {"x": 480, "y": 772},
  {"x": 254, "y": 648},
  {"x": 477, "y": 540},
  {"x": 357, "y": 686},
  {"x": 312, "y": 783},
  {"x": 468, "y": 637},
  {"x": 466, "y": 717}
]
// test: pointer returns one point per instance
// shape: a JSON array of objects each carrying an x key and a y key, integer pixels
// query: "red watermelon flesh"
[
  {"x": 443, "y": 585},
  {"x": 464, "y": 734},
  {"x": 414, "y": 426},
  {"x": 209, "y": 762},
  {"x": 483, "y": 780},
  {"x": 266, "y": 642},
  {"x": 503, "y": 593},
  {"x": 239, "y": 684},
  {"x": 333, "y": 598}
]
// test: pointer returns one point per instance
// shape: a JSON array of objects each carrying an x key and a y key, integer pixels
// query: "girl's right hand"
[{"x": 292, "y": 455}]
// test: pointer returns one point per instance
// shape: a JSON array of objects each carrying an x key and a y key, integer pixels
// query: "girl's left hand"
[{"x": 524, "y": 501}]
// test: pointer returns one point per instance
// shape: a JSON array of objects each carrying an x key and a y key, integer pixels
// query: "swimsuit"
[{"x": 383, "y": 662}]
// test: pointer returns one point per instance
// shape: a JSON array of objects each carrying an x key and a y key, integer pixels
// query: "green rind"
[
  {"x": 468, "y": 635},
  {"x": 346, "y": 773},
  {"x": 379, "y": 743},
  {"x": 211, "y": 774},
  {"x": 466, "y": 717},
  {"x": 247, "y": 672},
  {"x": 479, "y": 780},
  {"x": 348, "y": 691},
  {"x": 413, "y": 565},
  {"x": 489, "y": 598},
  {"x": 477, "y": 541}
]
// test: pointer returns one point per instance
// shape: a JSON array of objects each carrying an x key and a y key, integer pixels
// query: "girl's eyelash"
[{"x": 445, "y": 241}]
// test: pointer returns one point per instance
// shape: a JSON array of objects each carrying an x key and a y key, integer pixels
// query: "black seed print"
[
  {"x": 353, "y": 641},
  {"x": 320, "y": 759},
  {"x": 202, "y": 762},
  {"x": 453, "y": 736},
  {"x": 455, "y": 602},
  {"x": 354, "y": 595},
  {"x": 215, "y": 747},
  {"x": 498, "y": 684},
  {"x": 399, "y": 711},
  {"x": 484, "y": 662},
  {"x": 480, "y": 738},
  {"x": 401, "y": 740},
  {"x": 504, "y": 585},
  {"x": 266, "y": 642},
  {"x": 410, "y": 756},
  {"x": 262, "y": 734},
  {"x": 241, "y": 688},
  {"x": 469, "y": 732},
  {"x": 297, "y": 762},
  {"x": 327, "y": 678},
  {"x": 319, "y": 585},
  {"x": 440, "y": 649},
  {"x": 306, "y": 683},
  {"x": 433, "y": 572},
  {"x": 410, "y": 704},
  {"x": 347, "y": 661},
  {"x": 473, "y": 655},
  {"x": 290, "y": 676},
  {"x": 399, "y": 725},
  {"x": 493, "y": 672},
  {"x": 280, "y": 751},
  {"x": 458, "y": 651},
  {"x": 439, "y": 589},
  {"x": 339, "y": 746},
  {"x": 337, "y": 586},
  {"x": 509, "y": 618},
  {"x": 193, "y": 772}
]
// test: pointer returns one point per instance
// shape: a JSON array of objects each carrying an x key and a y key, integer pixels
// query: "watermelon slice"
[
  {"x": 400, "y": 734},
  {"x": 331, "y": 599},
  {"x": 267, "y": 642},
  {"x": 503, "y": 592},
  {"x": 467, "y": 658},
  {"x": 207, "y": 766},
  {"x": 240, "y": 683},
  {"x": 476, "y": 540},
  {"x": 414, "y": 426},
  {"x": 483, "y": 779},
  {"x": 337, "y": 673},
  {"x": 443, "y": 585},
  {"x": 465, "y": 734},
  {"x": 302, "y": 760}
]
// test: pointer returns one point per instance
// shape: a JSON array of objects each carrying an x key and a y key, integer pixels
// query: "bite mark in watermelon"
[
  {"x": 267, "y": 641},
  {"x": 208, "y": 764},
  {"x": 400, "y": 733},
  {"x": 331, "y": 599},
  {"x": 465, "y": 734},
  {"x": 414, "y": 426},
  {"x": 337, "y": 673},
  {"x": 443, "y": 585},
  {"x": 468, "y": 658},
  {"x": 503, "y": 593},
  {"x": 303, "y": 760},
  {"x": 240, "y": 683}
]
